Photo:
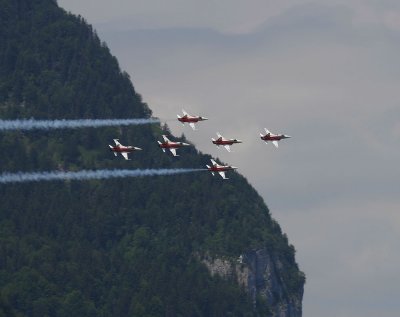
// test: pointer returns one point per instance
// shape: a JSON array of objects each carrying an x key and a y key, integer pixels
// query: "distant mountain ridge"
[{"x": 184, "y": 245}]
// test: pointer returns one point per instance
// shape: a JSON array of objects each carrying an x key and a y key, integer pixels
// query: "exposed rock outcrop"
[{"x": 261, "y": 273}]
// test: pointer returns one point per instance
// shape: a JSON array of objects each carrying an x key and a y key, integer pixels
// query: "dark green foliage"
[{"x": 121, "y": 247}]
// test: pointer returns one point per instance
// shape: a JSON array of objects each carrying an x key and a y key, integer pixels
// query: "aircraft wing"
[
  {"x": 222, "y": 175},
  {"x": 227, "y": 147},
  {"x": 213, "y": 162},
  {"x": 275, "y": 143},
  {"x": 192, "y": 125},
  {"x": 117, "y": 142},
  {"x": 165, "y": 138},
  {"x": 184, "y": 112},
  {"x": 125, "y": 155},
  {"x": 173, "y": 151},
  {"x": 220, "y": 136}
]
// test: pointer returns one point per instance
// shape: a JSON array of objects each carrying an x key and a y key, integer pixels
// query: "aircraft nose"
[{"x": 204, "y": 118}]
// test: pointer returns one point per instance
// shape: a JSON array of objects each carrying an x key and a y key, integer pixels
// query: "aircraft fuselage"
[
  {"x": 190, "y": 119},
  {"x": 225, "y": 142},
  {"x": 171, "y": 145},
  {"x": 221, "y": 168},
  {"x": 120, "y": 149},
  {"x": 270, "y": 137}
]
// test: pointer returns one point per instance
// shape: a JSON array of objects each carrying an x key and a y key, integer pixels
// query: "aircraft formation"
[{"x": 220, "y": 141}]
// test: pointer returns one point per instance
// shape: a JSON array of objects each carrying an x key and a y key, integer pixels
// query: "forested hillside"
[{"x": 120, "y": 247}]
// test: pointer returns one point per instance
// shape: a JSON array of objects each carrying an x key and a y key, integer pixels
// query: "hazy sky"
[{"x": 325, "y": 72}]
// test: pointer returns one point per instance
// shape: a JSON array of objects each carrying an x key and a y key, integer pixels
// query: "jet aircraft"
[
  {"x": 172, "y": 146},
  {"x": 220, "y": 169},
  {"x": 124, "y": 150},
  {"x": 274, "y": 138},
  {"x": 186, "y": 118},
  {"x": 225, "y": 142}
]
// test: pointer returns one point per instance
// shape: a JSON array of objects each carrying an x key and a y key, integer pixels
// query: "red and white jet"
[
  {"x": 186, "y": 118},
  {"x": 274, "y": 138},
  {"x": 172, "y": 146},
  {"x": 225, "y": 142},
  {"x": 220, "y": 169},
  {"x": 124, "y": 150}
]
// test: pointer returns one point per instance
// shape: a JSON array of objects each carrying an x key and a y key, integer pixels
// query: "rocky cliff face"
[{"x": 260, "y": 273}]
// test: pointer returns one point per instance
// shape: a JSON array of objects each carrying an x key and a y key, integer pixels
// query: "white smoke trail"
[
  {"x": 31, "y": 124},
  {"x": 89, "y": 174}
]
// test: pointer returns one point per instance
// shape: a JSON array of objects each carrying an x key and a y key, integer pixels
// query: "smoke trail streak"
[
  {"x": 31, "y": 124},
  {"x": 89, "y": 174}
]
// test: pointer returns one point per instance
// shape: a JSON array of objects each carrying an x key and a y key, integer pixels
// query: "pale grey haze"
[{"x": 326, "y": 73}]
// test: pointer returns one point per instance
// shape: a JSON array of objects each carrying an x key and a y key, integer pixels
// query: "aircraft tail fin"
[
  {"x": 208, "y": 166},
  {"x": 159, "y": 144},
  {"x": 111, "y": 149}
]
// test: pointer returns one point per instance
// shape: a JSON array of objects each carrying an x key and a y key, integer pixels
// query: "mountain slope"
[{"x": 121, "y": 247}]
